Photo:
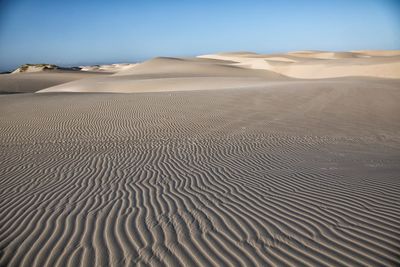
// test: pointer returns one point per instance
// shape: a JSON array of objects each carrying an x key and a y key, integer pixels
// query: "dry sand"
[
  {"x": 281, "y": 172},
  {"x": 173, "y": 74},
  {"x": 30, "y": 82},
  {"x": 319, "y": 64}
]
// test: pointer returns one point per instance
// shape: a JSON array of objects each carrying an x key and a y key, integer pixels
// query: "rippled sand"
[{"x": 294, "y": 172}]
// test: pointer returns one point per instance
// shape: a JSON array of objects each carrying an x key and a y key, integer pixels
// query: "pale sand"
[
  {"x": 173, "y": 74},
  {"x": 286, "y": 172},
  {"x": 318, "y": 65},
  {"x": 236, "y": 70},
  {"x": 34, "y": 81}
]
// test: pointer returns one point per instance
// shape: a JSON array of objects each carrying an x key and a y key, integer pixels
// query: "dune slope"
[
  {"x": 236, "y": 70},
  {"x": 35, "y": 81},
  {"x": 320, "y": 64},
  {"x": 173, "y": 74}
]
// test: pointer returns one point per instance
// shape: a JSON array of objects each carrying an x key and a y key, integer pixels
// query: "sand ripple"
[{"x": 206, "y": 178}]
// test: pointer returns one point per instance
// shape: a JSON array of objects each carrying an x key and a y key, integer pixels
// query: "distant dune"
[
  {"x": 30, "y": 78},
  {"x": 35, "y": 68},
  {"x": 111, "y": 68},
  {"x": 30, "y": 82},
  {"x": 232, "y": 159},
  {"x": 319, "y": 65},
  {"x": 172, "y": 74},
  {"x": 215, "y": 71},
  {"x": 240, "y": 69}
]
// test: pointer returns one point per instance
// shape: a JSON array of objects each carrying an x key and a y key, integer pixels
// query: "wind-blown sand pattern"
[{"x": 291, "y": 172}]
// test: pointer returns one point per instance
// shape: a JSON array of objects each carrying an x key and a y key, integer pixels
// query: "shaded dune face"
[
  {"x": 32, "y": 82},
  {"x": 299, "y": 174}
]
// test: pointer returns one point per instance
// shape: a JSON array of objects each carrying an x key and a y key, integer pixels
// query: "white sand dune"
[
  {"x": 280, "y": 59},
  {"x": 379, "y": 53},
  {"x": 273, "y": 171},
  {"x": 236, "y": 70},
  {"x": 173, "y": 74},
  {"x": 319, "y": 65},
  {"x": 132, "y": 84}
]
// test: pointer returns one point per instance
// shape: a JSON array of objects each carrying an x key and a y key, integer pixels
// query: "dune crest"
[
  {"x": 173, "y": 74},
  {"x": 320, "y": 64},
  {"x": 234, "y": 70}
]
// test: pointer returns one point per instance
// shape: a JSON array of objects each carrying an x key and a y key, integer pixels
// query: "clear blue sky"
[{"x": 74, "y": 32}]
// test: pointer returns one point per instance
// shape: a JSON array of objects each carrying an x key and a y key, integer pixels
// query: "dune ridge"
[
  {"x": 321, "y": 64},
  {"x": 235, "y": 70},
  {"x": 173, "y": 74}
]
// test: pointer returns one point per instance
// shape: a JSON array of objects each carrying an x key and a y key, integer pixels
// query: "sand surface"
[
  {"x": 173, "y": 74},
  {"x": 281, "y": 172},
  {"x": 30, "y": 82},
  {"x": 235, "y": 70},
  {"x": 320, "y": 64}
]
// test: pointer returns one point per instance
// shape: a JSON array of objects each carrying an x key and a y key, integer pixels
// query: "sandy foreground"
[{"x": 221, "y": 160}]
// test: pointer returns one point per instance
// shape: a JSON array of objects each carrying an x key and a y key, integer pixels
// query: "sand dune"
[
  {"x": 320, "y": 65},
  {"x": 32, "y": 82},
  {"x": 35, "y": 68},
  {"x": 273, "y": 171},
  {"x": 236, "y": 70},
  {"x": 379, "y": 53},
  {"x": 110, "y": 68},
  {"x": 173, "y": 74},
  {"x": 132, "y": 84}
]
